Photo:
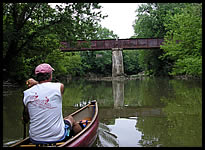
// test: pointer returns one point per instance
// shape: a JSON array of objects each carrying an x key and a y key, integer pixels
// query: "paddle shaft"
[
  {"x": 25, "y": 119},
  {"x": 24, "y": 122},
  {"x": 24, "y": 130}
]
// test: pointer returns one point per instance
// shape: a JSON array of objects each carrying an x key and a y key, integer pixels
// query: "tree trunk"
[{"x": 8, "y": 61}]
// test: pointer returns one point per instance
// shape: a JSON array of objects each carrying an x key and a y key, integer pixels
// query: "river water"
[{"x": 151, "y": 112}]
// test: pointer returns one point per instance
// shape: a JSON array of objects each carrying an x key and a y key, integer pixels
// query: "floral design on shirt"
[{"x": 44, "y": 103}]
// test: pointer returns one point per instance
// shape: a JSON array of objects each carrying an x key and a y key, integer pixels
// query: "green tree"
[
  {"x": 149, "y": 24},
  {"x": 33, "y": 30},
  {"x": 130, "y": 61},
  {"x": 183, "y": 41},
  {"x": 99, "y": 62}
]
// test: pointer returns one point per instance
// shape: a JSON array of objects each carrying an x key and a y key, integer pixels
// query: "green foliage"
[
  {"x": 64, "y": 63},
  {"x": 183, "y": 41},
  {"x": 149, "y": 24},
  {"x": 99, "y": 62},
  {"x": 189, "y": 66},
  {"x": 32, "y": 33},
  {"x": 150, "y": 19},
  {"x": 181, "y": 26},
  {"x": 104, "y": 33},
  {"x": 36, "y": 29},
  {"x": 130, "y": 62},
  {"x": 149, "y": 62}
]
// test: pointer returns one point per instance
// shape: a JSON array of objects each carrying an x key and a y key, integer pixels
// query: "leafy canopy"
[{"x": 183, "y": 41}]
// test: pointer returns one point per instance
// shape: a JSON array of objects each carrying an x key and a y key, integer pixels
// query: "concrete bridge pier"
[{"x": 117, "y": 62}]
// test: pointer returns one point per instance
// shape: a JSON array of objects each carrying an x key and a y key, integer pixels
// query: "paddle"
[
  {"x": 24, "y": 127},
  {"x": 25, "y": 120}
]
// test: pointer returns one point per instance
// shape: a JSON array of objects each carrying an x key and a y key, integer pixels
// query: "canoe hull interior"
[{"x": 87, "y": 138}]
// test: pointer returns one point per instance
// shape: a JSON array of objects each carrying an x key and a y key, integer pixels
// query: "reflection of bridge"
[{"x": 116, "y": 46}]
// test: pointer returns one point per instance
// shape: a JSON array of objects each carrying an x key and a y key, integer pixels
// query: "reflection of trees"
[
  {"x": 152, "y": 128},
  {"x": 72, "y": 94},
  {"x": 184, "y": 114},
  {"x": 182, "y": 125},
  {"x": 12, "y": 113},
  {"x": 146, "y": 92},
  {"x": 78, "y": 91}
]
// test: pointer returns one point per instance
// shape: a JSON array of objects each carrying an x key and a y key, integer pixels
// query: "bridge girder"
[{"x": 109, "y": 44}]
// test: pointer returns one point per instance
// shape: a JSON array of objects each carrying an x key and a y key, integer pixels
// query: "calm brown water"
[{"x": 153, "y": 112}]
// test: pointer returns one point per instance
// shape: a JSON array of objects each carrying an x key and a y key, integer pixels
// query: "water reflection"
[
  {"x": 105, "y": 137},
  {"x": 127, "y": 134},
  {"x": 123, "y": 123},
  {"x": 118, "y": 93},
  {"x": 184, "y": 114}
]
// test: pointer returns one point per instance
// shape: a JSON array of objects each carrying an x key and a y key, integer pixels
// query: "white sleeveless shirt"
[{"x": 44, "y": 103}]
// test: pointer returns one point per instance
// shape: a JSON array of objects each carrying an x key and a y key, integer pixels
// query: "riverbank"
[
  {"x": 140, "y": 76},
  {"x": 96, "y": 77},
  {"x": 131, "y": 77},
  {"x": 10, "y": 84}
]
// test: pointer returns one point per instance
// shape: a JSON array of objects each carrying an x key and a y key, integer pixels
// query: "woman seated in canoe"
[{"x": 43, "y": 107}]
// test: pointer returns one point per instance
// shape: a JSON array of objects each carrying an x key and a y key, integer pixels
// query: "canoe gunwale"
[{"x": 20, "y": 142}]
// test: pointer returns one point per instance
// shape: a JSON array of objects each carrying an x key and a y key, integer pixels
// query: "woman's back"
[{"x": 44, "y": 103}]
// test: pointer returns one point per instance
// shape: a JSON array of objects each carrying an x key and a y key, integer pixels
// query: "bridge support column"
[{"x": 117, "y": 62}]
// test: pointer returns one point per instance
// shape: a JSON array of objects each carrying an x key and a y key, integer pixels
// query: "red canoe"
[{"x": 85, "y": 138}]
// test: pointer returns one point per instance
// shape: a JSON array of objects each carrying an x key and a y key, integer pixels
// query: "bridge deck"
[{"x": 96, "y": 45}]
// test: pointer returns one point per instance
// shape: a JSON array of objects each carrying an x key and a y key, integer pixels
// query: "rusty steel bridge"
[
  {"x": 116, "y": 46},
  {"x": 109, "y": 44}
]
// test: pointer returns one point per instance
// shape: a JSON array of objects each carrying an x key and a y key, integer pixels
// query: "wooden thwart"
[{"x": 33, "y": 145}]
